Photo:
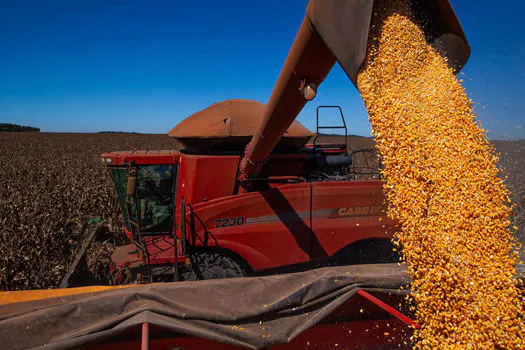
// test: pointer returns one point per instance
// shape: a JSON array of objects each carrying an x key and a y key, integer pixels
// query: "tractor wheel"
[{"x": 212, "y": 265}]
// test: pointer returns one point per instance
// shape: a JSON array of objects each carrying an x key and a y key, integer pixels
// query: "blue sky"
[{"x": 91, "y": 65}]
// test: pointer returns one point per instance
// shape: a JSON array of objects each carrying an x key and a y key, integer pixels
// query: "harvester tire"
[
  {"x": 212, "y": 265},
  {"x": 120, "y": 277}
]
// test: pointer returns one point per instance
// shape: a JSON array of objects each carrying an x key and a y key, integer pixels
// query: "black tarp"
[
  {"x": 216, "y": 309},
  {"x": 226, "y": 310}
]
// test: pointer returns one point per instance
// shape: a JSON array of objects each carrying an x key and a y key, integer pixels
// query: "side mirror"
[{"x": 132, "y": 183}]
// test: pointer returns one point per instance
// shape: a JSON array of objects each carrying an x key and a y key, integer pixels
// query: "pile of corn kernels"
[{"x": 442, "y": 186}]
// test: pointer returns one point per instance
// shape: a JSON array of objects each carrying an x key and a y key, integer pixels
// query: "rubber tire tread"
[{"x": 212, "y": 265}]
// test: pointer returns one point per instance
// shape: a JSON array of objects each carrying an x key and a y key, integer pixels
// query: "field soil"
[{"x": 50, "y": 184}]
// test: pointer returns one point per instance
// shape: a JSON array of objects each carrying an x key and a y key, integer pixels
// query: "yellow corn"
[{"x": 442, "y": 185}]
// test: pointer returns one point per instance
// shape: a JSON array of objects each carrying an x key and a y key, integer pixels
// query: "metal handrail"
[{"x": 330, "y": 127}]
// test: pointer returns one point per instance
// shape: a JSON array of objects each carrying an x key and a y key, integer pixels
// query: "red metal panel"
[
  {"x": 385, "y": 333},
  {"x": 274, "y": 227},
  {"x": 203, "y": 178},
  {"x": 344, "y": 212},
  {"x": 142, "y": 157}
]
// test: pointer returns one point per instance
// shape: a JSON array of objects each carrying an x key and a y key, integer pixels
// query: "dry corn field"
[
  {"x": 444, "y": 187},
  {"x": 50, "y": 184}
]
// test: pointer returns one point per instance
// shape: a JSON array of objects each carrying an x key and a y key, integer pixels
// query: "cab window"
[{"x": 154, "y": 196}]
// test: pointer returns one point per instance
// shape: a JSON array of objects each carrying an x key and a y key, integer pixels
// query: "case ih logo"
[{"x": 358, "y": 211}]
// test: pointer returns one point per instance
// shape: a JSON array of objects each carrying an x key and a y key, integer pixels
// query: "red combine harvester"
[
  {"x": 303, "y": 208},
  {"x": 248, "y": 195},
  {"x": 242, "y": 201}
]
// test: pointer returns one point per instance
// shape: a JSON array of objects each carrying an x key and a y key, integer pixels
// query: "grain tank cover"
[{"x": 230, "y": 125}]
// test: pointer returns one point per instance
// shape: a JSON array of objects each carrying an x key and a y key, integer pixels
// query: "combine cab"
[{"x": 189, "y": 217}]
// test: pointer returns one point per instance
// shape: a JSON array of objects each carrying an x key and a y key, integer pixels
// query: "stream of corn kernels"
[{"x": 442, "y": 186}]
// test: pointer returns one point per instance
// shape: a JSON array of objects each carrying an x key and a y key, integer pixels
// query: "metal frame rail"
[{"x": 330, "y": 127}]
